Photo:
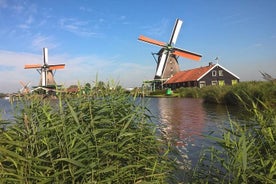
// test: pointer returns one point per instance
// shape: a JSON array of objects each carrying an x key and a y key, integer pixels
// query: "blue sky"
[{"x": 99, "y": 38}]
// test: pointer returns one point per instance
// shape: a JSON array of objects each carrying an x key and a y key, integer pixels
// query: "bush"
[{"x": 102, "y": 137}]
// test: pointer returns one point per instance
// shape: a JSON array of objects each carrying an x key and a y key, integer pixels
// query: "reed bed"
[
  {"x": 257, "y": 91},
  {"x": 104, "y": 136},
  {"x": 245, "y": 152}
]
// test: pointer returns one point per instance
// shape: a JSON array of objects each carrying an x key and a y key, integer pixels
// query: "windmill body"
[
  {"x": 46, "y": 71},
  {"x": 171, "y": 66},
  {"x": 167, "y": 64}
]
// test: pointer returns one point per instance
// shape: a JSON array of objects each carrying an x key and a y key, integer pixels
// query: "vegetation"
[
  {"x": 104, "y": 136},
  {"x": 101, "y": 134},
  {"x": 2, "y": 95},
  {"x": 256, "y": 91},
  {"x": 245, "y": 153},
  {"x": 242, "y": 152}
]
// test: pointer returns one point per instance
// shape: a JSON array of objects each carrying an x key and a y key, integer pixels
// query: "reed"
[
  {"x": 248, "y": 91},
  {"x": 245, "y": 153},
  {"x": 104, "y": 136},
  {"x": 189, "y": 92}
]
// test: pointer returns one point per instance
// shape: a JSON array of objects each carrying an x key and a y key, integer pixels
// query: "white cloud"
[
  {"x": 80, "y": 28},
  {"x": 77, "y": 69},
  {"x": 12, "y": 69},
  {"x": 40, "y": 41},
  {"x": 157, "y": 29}
]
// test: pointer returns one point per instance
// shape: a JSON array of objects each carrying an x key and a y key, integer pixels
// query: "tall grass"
[
  {"x": 256, "y": 91},
  {"x": 100, "y": 137},
  {"x": 245, "y": 153}
]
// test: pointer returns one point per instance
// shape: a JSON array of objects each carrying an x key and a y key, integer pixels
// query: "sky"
[{"x": 98, "y": 39}]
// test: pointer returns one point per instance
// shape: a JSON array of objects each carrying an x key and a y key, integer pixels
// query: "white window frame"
[
  {"x": 214, "y": 83},
  {"x": 202, "y": 84},
  {"x": 220, "y": 72},
  {"x": 214, "y": 73}
]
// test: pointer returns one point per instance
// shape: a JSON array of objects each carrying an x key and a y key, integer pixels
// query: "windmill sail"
[
  {"x": 45, "y": 70},
  {"x": 45, "y": 54},
  {"x": 176, "y": 31},
  {"x": 161, "y": 63},
  {"x": 168, "y": 53}
]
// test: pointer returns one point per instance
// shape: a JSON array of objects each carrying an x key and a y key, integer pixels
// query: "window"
[
  {"x": 220, "y": 72},
  {"x": 202, "y": 84},
  {"x": 214, "y": 73},
  {"x": 221, "y": 83},
  {"x": 234, "y": 81},
  {"x": 214, "y": 83}
]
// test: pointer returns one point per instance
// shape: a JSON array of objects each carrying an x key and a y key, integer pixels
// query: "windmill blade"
[
  {"x": 186, "y": 54},
  {"x": 45, "y": 54},
  {"x": 161, "y": 64},
  {"x": 175, "y": 32},
  {"x": 43, "y": 77},
  {"x": 56, "y": 67},
  {"x": 31, "y": 66},
  {"x": 151, "y": 41},
  {"x": 22, "y": 84}
]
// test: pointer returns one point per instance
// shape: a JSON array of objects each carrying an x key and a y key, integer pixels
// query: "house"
[{"x": 213, "y": 74}]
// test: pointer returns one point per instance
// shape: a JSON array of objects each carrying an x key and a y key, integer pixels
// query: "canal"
[
  {"x": 187, "y": 122},
  {"x": 184, "y": 121}
]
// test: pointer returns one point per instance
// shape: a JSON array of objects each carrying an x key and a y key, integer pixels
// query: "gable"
[
  {"x": 195, "y": 74},
  {"x": 217, "y": 65}
]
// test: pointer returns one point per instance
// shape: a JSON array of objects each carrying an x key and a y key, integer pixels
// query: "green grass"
[
  {"x": 100, "y": 137},
  {"x": 247, "y": 91}
]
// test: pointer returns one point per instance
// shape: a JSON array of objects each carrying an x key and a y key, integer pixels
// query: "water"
[
  {"x": 187, "y": 121},
  {"x": 6, "y": 110}
]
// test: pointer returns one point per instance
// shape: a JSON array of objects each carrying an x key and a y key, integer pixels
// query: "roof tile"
[{"x": 189, "y": 75}]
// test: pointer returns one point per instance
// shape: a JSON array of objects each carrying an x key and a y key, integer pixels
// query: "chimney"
[{"x": 210, "y": 63}]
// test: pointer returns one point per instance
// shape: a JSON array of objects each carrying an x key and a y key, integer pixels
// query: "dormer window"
[{"x": 214, "y": 73}]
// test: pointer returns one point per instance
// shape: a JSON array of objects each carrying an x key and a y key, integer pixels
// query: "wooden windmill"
[
  {"x": 167, "y": 63},
  {"x": 25, "y": 88},
  {"x": 46, "y": 71}
]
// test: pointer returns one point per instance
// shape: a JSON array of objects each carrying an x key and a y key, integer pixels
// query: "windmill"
[
  {"x": 46, "y": 71},
  {"x": 25, "y": 88},
  {"x": 167, "y": 63}
]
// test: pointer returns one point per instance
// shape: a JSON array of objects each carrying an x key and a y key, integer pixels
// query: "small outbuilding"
[{"x": 213, "y": 74}]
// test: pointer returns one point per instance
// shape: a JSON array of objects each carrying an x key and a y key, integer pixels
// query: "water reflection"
[
  {"x": 186, "y": 121},
  {"x": 6, "y": 109},
  {"x": 182, "y": 118}
]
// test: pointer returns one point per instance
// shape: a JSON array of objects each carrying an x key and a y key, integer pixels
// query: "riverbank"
[
  {"x": 106, "y": 136},
  {"x": 239, "y": 94}
]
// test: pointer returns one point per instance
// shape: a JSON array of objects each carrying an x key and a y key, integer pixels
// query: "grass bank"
[
  {"x": 229, "y": 95},
  {"x": 101, "y": 137}
]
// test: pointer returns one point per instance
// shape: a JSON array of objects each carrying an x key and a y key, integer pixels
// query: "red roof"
[{"x": 189, "y": 75}]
